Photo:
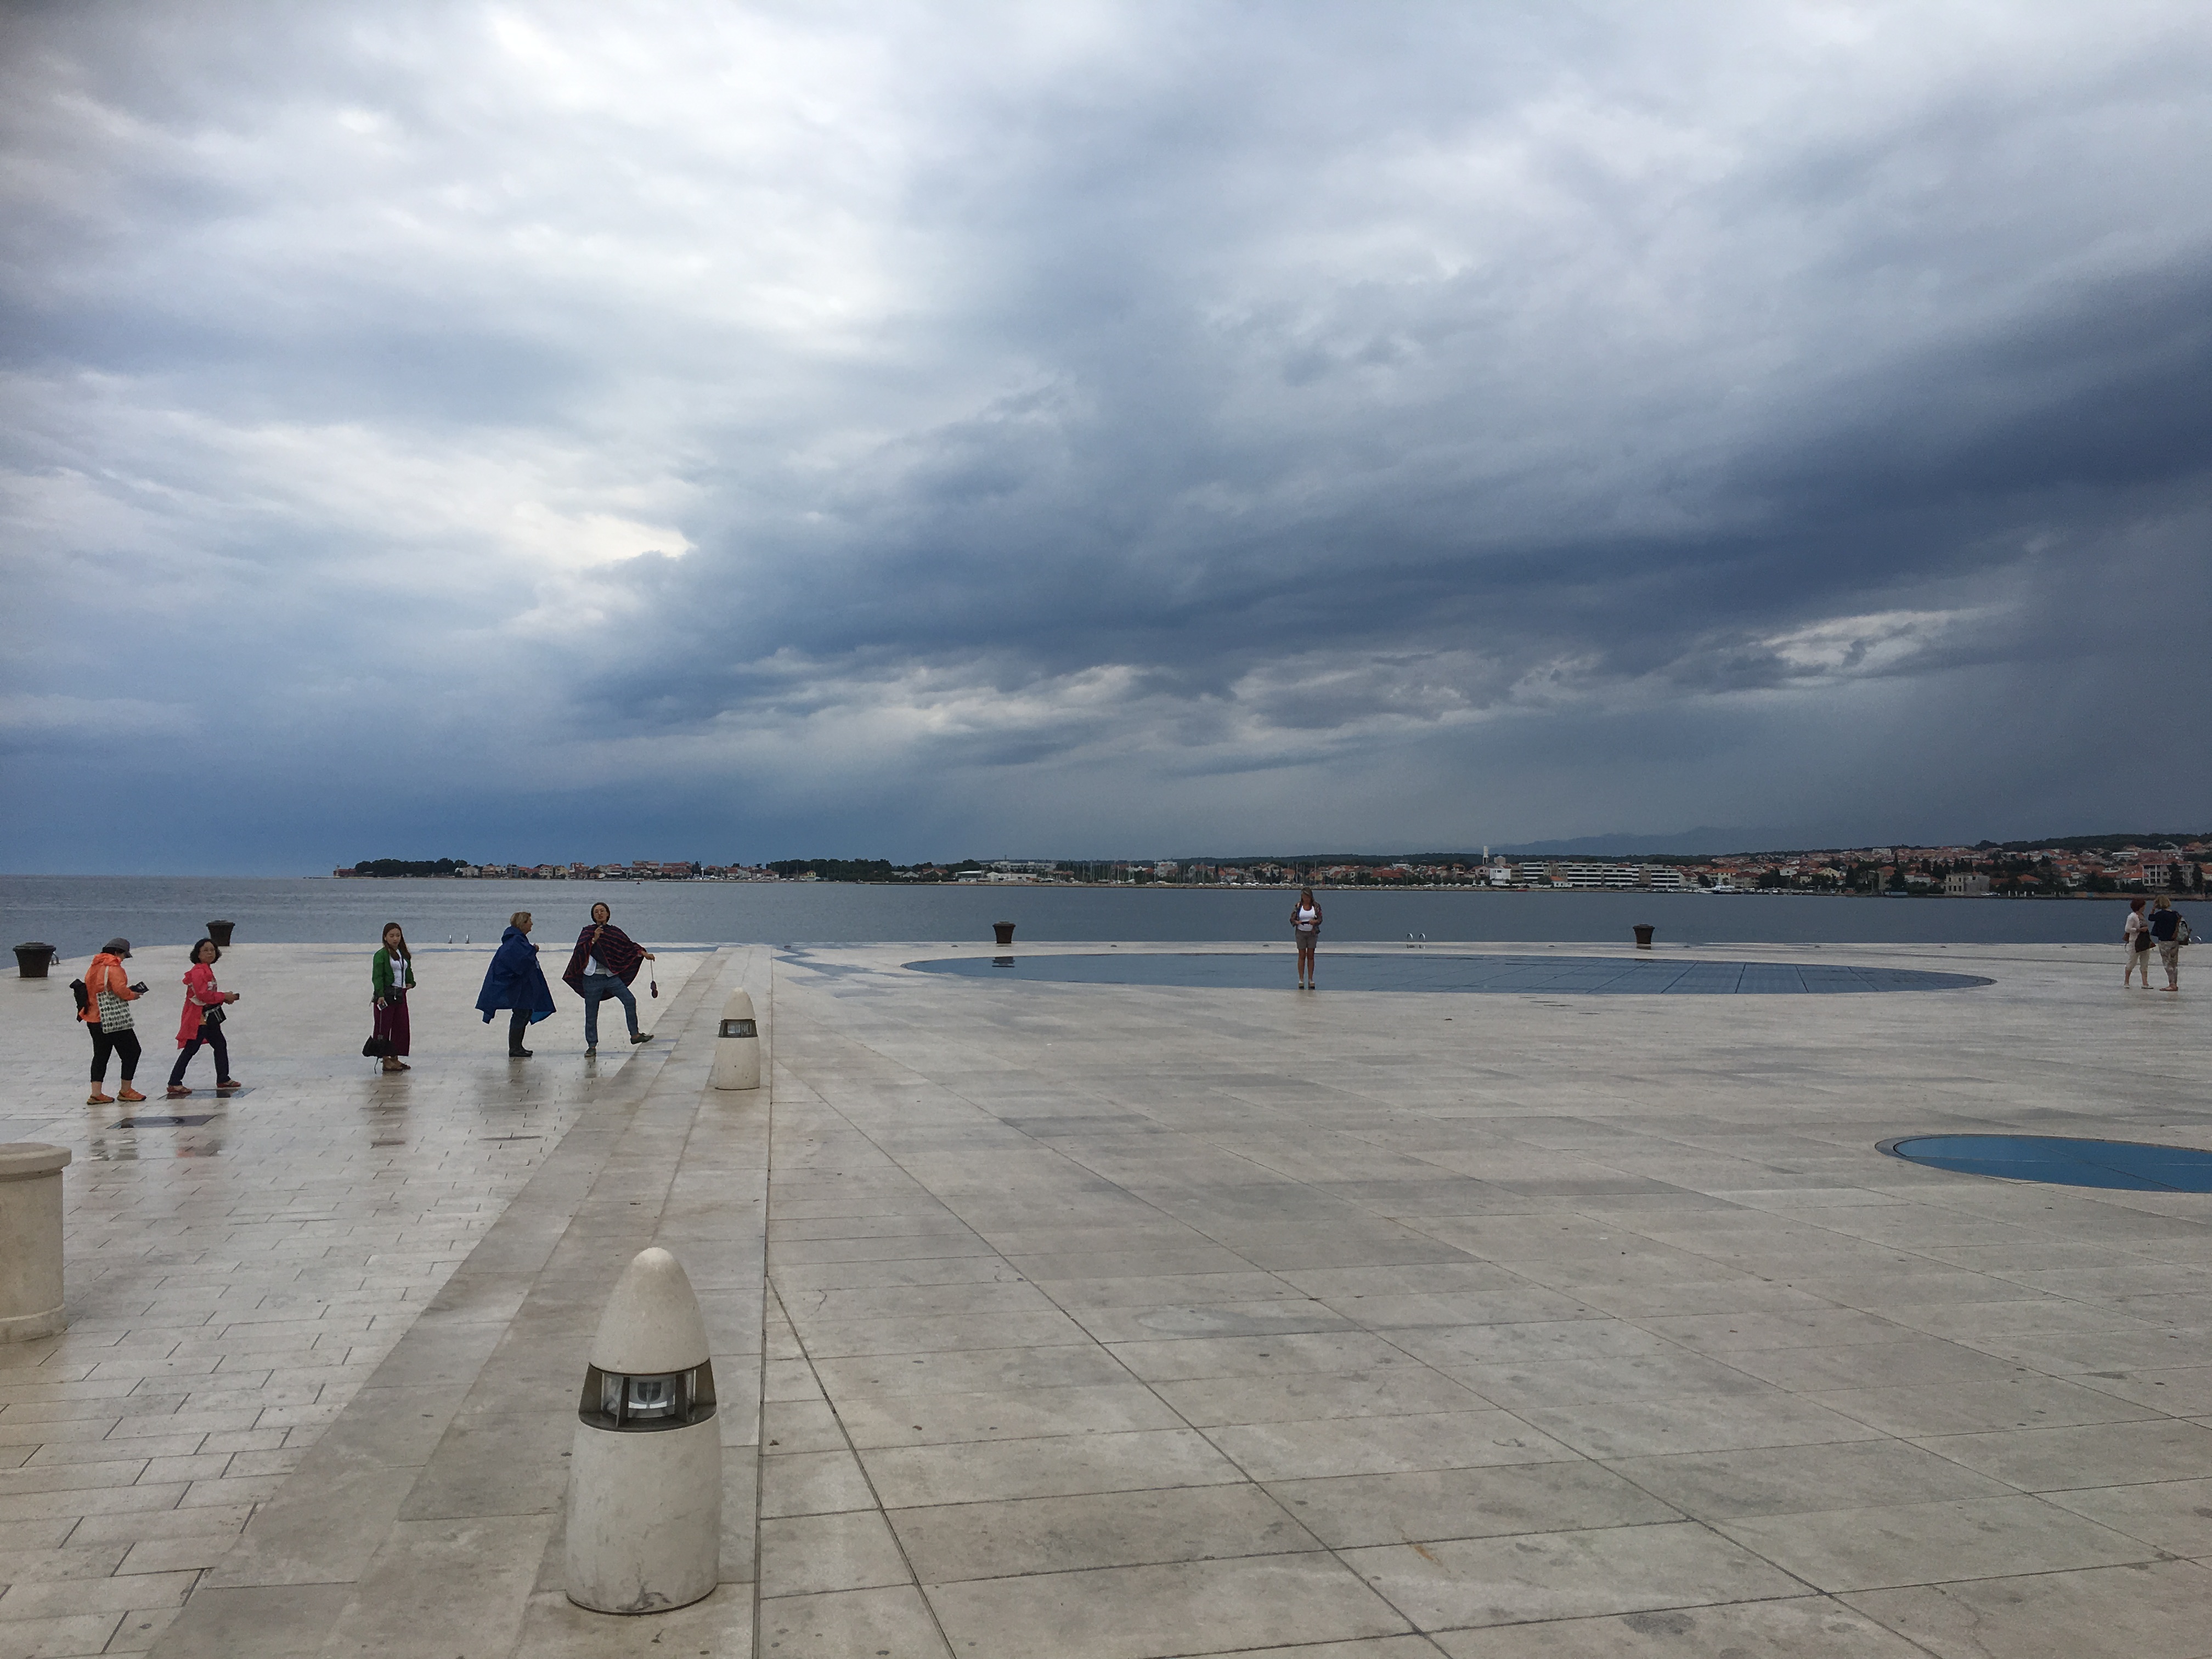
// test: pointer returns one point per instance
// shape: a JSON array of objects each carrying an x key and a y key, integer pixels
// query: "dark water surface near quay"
[{"x": 77, "y": 913}]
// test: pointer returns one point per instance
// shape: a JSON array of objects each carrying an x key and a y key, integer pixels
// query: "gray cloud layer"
[{"x": 552, "y": 429}]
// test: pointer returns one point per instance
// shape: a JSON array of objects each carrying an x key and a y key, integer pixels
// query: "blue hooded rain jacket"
[{"x": 514, "y": 980}]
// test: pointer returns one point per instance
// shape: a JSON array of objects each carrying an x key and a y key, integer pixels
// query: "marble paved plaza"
[{"x": 1113, "y": 1322}]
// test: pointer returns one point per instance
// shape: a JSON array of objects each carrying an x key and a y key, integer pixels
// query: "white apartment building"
[{"x": 1596, "y": 875}]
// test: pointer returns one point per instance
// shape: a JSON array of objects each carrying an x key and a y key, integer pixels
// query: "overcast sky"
[{"x": 599, "y": 431}]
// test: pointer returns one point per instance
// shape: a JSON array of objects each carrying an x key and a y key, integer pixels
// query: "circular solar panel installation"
[
  {"x": 1427, "y": 970},
  {"x": 2132, "y": 1166}
]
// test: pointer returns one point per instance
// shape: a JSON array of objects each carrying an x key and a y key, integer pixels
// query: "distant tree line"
[
  {"x": 408, "y": 866},
  {"x": 834, "y": 869}
]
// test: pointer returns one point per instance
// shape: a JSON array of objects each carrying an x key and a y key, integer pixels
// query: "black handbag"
[
  {"x": 376, "y": 1047},
  {"x": 211, "y": 1015}
]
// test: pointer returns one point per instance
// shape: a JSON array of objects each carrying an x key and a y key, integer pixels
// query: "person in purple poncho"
[
  {"x": 515, "y": 981},
  {"x": 604, "y": 964}
]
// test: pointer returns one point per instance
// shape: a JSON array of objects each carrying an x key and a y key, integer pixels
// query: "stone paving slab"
[
  {"x": 441, "y": 1486},
  {"x": 1144, "y": 1323},
  {"x": 234, "y": 1286},
  {"x": 1158, "y": 1321}
]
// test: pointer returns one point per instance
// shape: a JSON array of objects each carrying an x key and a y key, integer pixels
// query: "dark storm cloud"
[{"x": 1103, "y": 424}]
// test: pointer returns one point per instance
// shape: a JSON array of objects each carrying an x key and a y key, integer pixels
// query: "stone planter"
[{"x": 31, "y": 1240}]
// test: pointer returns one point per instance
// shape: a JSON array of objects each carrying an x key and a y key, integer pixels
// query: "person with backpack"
[
  {"x": 2136, "y": 935},
  {"x": 2172, "y": 933},
  {"x": 203, "y": 1022},
  {"x": 105, "y": 1009},
  {"x": 605, "y": 964}
]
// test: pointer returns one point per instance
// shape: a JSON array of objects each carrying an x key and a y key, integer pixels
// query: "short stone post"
[
  {"x": 31, "y": 1240},
  {"x": 737, "y": 1045},
  {"x": 645, "y": 1479}
]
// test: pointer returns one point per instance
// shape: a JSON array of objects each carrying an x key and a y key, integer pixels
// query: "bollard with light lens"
[
  {"x": 737, "y": 1045},
  {"x": 645, "y": 1478}
]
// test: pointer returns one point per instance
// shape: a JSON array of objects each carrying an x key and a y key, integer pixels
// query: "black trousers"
[
  {"x": 211, "y": 1036},
  {"x": 122, "y": 1044},
  {"x": 517, "y": 1024}
]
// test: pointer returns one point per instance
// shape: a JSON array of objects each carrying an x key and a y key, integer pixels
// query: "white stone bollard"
[
  {"x": 737, "y": 1045},
  {"x": 31, "y": 1240},
  {"x": 645, "y": 1480}
]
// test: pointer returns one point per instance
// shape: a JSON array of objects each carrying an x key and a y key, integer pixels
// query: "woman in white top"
[
  {"x": 1305, "y": 927},
  {"x": 2134, "y": 934}
]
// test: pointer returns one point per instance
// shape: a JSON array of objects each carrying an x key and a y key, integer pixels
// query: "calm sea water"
[{"x": 78, "y": 913}]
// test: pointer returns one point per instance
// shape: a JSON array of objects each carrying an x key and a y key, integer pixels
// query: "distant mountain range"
[
  {"x": 1684, "y": 844},
  {"x": 1706, "y": 841}
]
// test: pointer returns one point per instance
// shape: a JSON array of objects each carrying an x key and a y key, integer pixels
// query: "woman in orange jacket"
[{"x": 109, "y": 995}]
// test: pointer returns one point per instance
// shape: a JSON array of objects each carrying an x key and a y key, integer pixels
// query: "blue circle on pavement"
[
  {"x": 2134, "y": 1166},
  {"x": 1425, "y": 970}
]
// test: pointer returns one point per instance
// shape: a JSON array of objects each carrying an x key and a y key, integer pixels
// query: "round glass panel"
[{"x": 2134, "y": 1166}]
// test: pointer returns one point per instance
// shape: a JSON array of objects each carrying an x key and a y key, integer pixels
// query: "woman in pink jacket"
[{"x": 203, "y": 1022}]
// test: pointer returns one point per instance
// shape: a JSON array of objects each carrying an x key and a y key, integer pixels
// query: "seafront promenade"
[{"x": 1117, "y": 1321}]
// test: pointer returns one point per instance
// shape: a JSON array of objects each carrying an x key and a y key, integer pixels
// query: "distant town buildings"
[{"x": 1985, "y": 870}]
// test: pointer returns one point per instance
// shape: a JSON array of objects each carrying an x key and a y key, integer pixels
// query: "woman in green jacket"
[{"x": 390, "y": 976}]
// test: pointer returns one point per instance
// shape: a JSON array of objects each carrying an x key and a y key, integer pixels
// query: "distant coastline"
[
  {"x": 1320, "y": 886},
  {"x": 2079, "y": 866}
]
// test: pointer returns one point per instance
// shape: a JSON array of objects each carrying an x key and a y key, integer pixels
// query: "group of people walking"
[
  {"x": 605, "y": 964},
  {"x": 2162, "y": 929},
  {"x": 104, "y": 1005}
]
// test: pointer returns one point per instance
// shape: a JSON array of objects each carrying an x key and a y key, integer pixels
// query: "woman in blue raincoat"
[{"x": 515, "y": 980}]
